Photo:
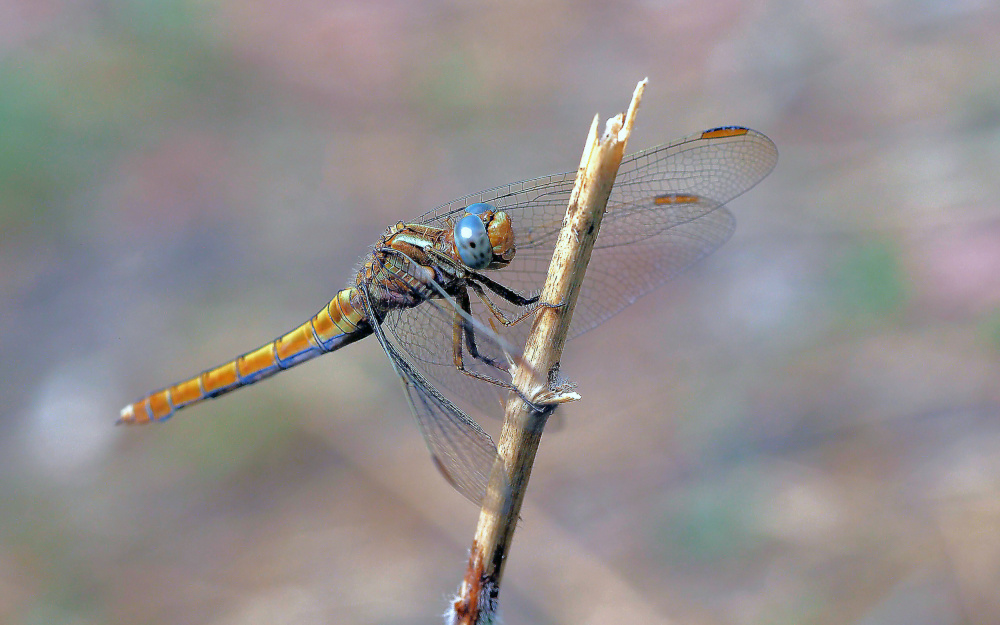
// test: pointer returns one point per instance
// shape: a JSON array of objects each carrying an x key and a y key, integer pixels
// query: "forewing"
[
  {"x": 666, "y": 211},
  {"x": 664, "y": 214}
]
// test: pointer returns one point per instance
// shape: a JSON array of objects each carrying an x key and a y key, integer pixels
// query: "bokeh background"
[{"x": 805, "y": 428}]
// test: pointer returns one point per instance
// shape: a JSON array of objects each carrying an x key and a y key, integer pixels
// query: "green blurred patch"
[
  {"x": 104, "y": 83},
  {"x": 710, "y": 523},
  {"x": 449, "y": 88},
  {"x": 870, "y": 283},
  {"x": 241, "y": 434},
  {"x": 990, "y": 329},
  {"x": 69, "y": 600},
  {"x": 805, "y": 607},
  {"x": 44, "y": 151}
]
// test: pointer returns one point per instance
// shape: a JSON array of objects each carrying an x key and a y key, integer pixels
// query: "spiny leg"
[
  {"x": 509, "y": 295},
  {"x": 463, "y": 322},
  {"x": 461, "y": 325},
  {"x": 473, "y": 278},
  {"x": 496, "y": 312},
  {"x": 465, "y": 325}
]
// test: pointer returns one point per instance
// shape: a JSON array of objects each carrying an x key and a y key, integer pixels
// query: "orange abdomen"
[{"x": 338, "y": 324}]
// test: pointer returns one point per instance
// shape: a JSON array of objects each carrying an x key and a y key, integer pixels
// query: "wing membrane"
[
  {"x": 461, "y": 450},
  {"x": 666, "y": 211}
]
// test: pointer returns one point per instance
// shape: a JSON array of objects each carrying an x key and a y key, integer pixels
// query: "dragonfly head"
[{"x": 484, "y": 237}]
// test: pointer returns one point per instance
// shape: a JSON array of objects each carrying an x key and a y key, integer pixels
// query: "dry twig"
[{"x": 523, "y": 424}]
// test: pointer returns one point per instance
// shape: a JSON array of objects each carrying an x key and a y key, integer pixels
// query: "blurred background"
[{"x": 802, "y": 429}]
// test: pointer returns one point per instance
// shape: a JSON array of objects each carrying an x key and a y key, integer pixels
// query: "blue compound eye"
[
  {"x": 472, "y": 241},
  {"x": 478, "y": 209}
]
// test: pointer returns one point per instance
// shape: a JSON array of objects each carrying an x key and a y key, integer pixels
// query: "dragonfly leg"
[
  {"x": 496, "y": 312},
  {"x": 531, "y": 302},
  {"x": 463, "y": 327},
  {"x": 511, "y": 296}
]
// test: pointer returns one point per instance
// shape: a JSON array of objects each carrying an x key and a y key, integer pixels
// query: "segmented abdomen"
[{"x": 338, "y": 324}]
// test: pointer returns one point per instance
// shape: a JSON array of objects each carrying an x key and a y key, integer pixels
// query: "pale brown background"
[{"x": 803, "y": 429}]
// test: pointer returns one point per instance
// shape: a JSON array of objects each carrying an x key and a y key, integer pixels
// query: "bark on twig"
[{"x": 522, "y": 427}]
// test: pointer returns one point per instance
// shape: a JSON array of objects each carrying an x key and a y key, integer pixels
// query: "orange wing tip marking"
[
  {"x": 675, "y": 198},
  {"x": 725, "y": 131}
]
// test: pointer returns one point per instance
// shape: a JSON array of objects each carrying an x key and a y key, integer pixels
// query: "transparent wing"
[
  {"x": 461, "y": 450},
  {"x": 428, "y": 334},
  {"x": 665, "y": 213}
]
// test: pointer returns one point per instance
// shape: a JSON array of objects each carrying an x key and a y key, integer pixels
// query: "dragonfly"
[{"x": 447, "y": 295}]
